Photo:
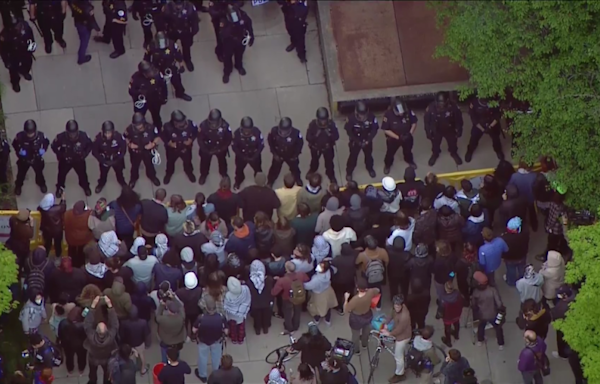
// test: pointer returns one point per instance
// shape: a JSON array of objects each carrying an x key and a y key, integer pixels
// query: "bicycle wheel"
[
  {"x": 373, "y": 365},
  {"x": 280, "y": 355}
]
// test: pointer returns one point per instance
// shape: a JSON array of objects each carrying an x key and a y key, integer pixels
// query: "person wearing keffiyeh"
[
  {"x": 237, "y": 304},
  {"x": 320, "y": 249},
  {"x": 262, "y": 301}
]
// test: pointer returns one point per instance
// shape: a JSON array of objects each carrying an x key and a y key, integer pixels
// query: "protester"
[
  {"x": 443, "y": 266},
  {"x": 237, "y": 303},
  {"x": 343, "y": 280},
  {"x": 170, "y": 318},
  {"x": 424, "y": 344},
  {"x": 411, "y": 191},
  {"x": 487, "y": 303},
  {"x": 312, "y": 193},
  {"x": 360, "y": 314},
  {"x": 242, "y": 239},
  {"x": 490, "y": 195},
  {"x": 21, "y": 232},
  {"x": 169, "y": 270},
  {"x": 454, "y": 366},
  {"x": 120, "y": 299},
  {"x": 402, "y": 332},
  {"x": 467, "y": 197},
  {"x": 260, "y": 289},
  {"x": 425, "y": 231},
  {"x": 153, "y": 215},
  {"x": 313, "y": 346},
  {"x": 515, "y": 258},
  {"x": 530, "y": 285},
  {"x": 226, "y": 373},
  {"x": 52, "y": 212},
  {"x": 465, "y": 267},
  {"x": 417, "y": 303},
  {"x": 432, "y": 187},
  {"x": 100, "y": 341},
  {"x": 96, "y": 272},
  {"x": 215, "y": 289},
  {"x": 288, "y": 197},
  {"x": 421, "y": 266},
  {"x": 209, "y": 331},
  {"x": 161, "y": 246},
  {"x": 390, "y": 196},
  {"x": 356, "y": 215},
  {"x": 373, "y": 262},
  {"x": 143, "y": 302},
  {"x": 293, "y": 282},
  {"x": 135, "y": 332},
  {"x": 77, "y": 232},
  {"x": 196, "y": 212},
  {"x": 213, "y": 223},
  {"x": 108, "y": 246},
  {"x": 225, "y": 201},
  {"x": 188, "y": 263},
  {"x": 338, "y": 234},
  {"x": 565, "y": 295},
  {"x": 264, "y": 235},
  {"x": 404, "y": 227},
  {"x": 285, "y": 236},
  {"x": 474, "y": 225},
  {"x": 304, "y": 224},
  {"x": 514, "y": 205},
  {"x": 305, "y": 374},
  {"x": 324, "y": 219},
  {"x": 142, "y": 266},
  {"x": 191, "y": 237},
  {"x": 101, "y": 219},
  {"x": 450, "y": 227},
  {"x": 116, "y": 269},
  {"x": 190, "y": 295},
  {"x": 322, "y": 297},
  {"x": 33, "y": 312},
  {"x": 535, "y": 317},
  {"x": 302, "y": 259},
  {"x": 65, "y": 280},
  {"x": 447, "y": 198},
  {"x": 121, "y": 367},
  {"x": 334, "y": 371},
  {"x": 524, "y": 180},
  {"x": 530, "y": 358},
  {"x": 258, "y": 198},
  {"x": 176, "y": 216},
  {"x": 490, "y": 254},
  {"x": 175, "y": 370},
  {"x": 553, "y": 272},
  {"x": 72, "y": 335},
  {"x": 451, "y": 305},
  {"x": 127, "y": 209}
]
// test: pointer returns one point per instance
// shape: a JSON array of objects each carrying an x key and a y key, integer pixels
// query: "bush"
[
  {"x": 581, "y": 324},
  {"x": 9, "y": 272}
]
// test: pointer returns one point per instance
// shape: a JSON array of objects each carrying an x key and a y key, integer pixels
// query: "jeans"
[
  {"x": 84, "y": 40},
  {"x": 497, "y": 328},
  {"x": 215, "y": 351},
  {"x": 531, "y": 377},
  {"x": 399, "y": 352},
  {"x": 93, "y": 375},
  {"x": 514, "y": 271},
  {"x": 291, "y": 315}
]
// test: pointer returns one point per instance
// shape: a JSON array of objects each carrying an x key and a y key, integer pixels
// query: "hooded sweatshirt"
[
  {"x": 398, "y": 259},
  {"x": 52, "y": 211},
  {"x": 356, "y": 215},
  {"x": 133, "y": 330},
  {"x": 466, "y": 199},
  {"x": 411, "y": 190},
  {"x": 530, "y": 287},
  {"x": 391, "y": 200},
  {"x": 346, "y": 266},
  {"x": 553, "y": 272},
  {"x": 241, "y": 241},
  {"x": 120, "y": 299},
  {"x": 331, "y": 208},
  {"x": 32, "y": 315},
  {"x": 336, "y": 239},
  {"x": 442, "y": 200},
  {"x": 471, "y": 232},
  {"x": 450, "y": 226},
  {"x": 406, "y": 234}
]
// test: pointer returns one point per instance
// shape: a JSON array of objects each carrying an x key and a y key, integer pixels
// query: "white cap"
[
  {"x": 190, "y": 280},
  {"x": 388, "y": 184}
]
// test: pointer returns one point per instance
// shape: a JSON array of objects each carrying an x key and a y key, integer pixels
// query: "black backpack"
[
  {"x": 36, "y": 280},
  {"x": 57, "y": 357}
]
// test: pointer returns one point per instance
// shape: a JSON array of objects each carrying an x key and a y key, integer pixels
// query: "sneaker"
[
  {"x": 479, "y": 344},
  {"x": 432, "y": 160},
  {"x": 202, "y": 379},
  {"x": 504, "y": 277},
  {"x": 557, "y": 356},
  {"x": 501, "y": 347},
  {"x": 290, "y": 48},
  {"x": 447, "y": 341},
  {"x": 397, "y": 378},
  {"x": 328, "y": 323},
  {"x": 86, "y": 59},
  {"x": 340, "y": 311}
]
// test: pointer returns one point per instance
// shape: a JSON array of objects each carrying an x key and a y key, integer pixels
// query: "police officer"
[
  {"x": 11, "y": 10},
  {"x": 30, "y": 145},
  {"x": 17, "y": 45},
  {"x": 214, "y": 139},
  {"x": 236, "y": 33},
  {"x": 486, "y": 120},
  {"x": 166, "y": 57},
  {"x": 321, "y": 136},
  {"x": 148, "y": 90},
  {"x": 178, "y": 136},
  {"x": 443, "y": 119},
  {"x": 361, "y": 127},
  {"x": 71, "y": 148},
  {"x": 4, "y": 157},
  {"x": 150, "y": 12},
  {"x": 399, "y": 125},
  {"x": 50, "y": 15},
  {"x": 85, "y": 21},
  {"x": 248, "y": 144},
  {"x": 114, "y": 26},
  {"x": 285, "y": 143},
  {"x": 295, "y": 13},
  {"x": 217, "y": 11},
  {"x": 109, "y": 149},
  {"x": 142, "y": 140},
  {"x": 181, "y": 23}
]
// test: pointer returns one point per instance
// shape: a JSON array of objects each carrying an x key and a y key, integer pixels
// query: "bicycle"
[{"x": 383, "y": 342}]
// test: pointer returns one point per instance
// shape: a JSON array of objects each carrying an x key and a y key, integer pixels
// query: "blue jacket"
[
  {"x": 490, "y": 254},
  {"x": 241, "y": 246},
  {"x": 123, "y": 220},
  {"x": 524, "y": 183},
  {"x": 472, "y": 230}
]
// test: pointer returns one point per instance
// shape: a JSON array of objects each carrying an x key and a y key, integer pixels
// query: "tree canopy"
[
  {"x": 8, "y": 276},
  {"x": 547, "y": 54}
]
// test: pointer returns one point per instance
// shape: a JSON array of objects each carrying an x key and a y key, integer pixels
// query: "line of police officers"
[{"x": 443, "y": 119}]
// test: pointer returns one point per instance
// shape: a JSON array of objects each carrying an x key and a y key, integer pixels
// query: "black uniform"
[
  {"x": 179, "y": 138},
  {"x": 214, "y": 141},
  {"x": 321, "y": 141},
  {"x": 4, "y": 157},
  {"x": 400, "y": 125},
  {"x": 285, "y": 149},
  {"x": 141, "y": 138},
  {"x": 17, "y": 45},
  {"x": 484, "y": 116},
  {"x": 443, "y": 123},
  {"x": 361, "y": 135},
  {"x": 154, "y": 89},
  {"x": 114, "y": 10},
  {"x": 110, "y": 153},
  {"x": 10, "y": 8},
  {"x": 149, "y": 12},
  {"x": 217, "y": 10},
  {"x": 50, "y": 17},
  {"x": 30, "y": 152},
  {"x": 248, "y": 150},
  {"x": 164, "y": 59},
  {"x": 71, "y": 154},
  {"x": 295, "y": 16},
  {"x": 234, "y": 37},
  {"x": 182, "y": 23}
]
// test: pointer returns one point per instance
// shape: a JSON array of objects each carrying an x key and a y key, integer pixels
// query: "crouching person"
[{"x": 425, "y": 354}]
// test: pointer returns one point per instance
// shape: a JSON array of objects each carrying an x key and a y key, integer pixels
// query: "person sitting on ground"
[{"x": 424, "y": 344}]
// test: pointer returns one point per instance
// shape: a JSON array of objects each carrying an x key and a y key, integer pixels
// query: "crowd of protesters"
[{"x": 201, "y": 271}]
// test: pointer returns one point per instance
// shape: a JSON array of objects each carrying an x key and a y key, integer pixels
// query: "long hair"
[
  {"x": 128, "y": 198},
  {"x": 262, "y": 220},
  {"x": 215, "y": 286},
  {"x": 177, "y": 203}
]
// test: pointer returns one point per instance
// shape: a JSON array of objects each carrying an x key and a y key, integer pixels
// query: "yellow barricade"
[{"x": 453, "y": 178}]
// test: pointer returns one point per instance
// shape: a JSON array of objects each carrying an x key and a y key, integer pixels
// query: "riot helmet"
[
  {"x": 284, "y": 129},
  {"x": 138, "y": 120},
  {"x": 246, "y": 124},
  {"x": 399, "y": 107},
  {"x": 233, "y": 14},
  {"x": 108, "y": 129},
  {"x": 161, "y": 40},
  {"x": 72, "y": 129},
  {"x": 145, "y": 68},
  {"x": 322, "y": 117},
  {"x": 30, "y": 128},
  {"x": 361, "y": 110},
  {"x": 441, "y": 99},
  {"x": 178, "y": 119},
  {"x": 214, "y": 118}
]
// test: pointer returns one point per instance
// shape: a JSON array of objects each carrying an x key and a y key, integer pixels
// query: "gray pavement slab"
[{"x": 116, "y": 74}]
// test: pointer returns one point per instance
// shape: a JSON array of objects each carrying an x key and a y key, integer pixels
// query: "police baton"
[{"x": 34, "y": 22}]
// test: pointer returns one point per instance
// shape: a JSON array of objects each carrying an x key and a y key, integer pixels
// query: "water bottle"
[{"x": 499, "y": 318}]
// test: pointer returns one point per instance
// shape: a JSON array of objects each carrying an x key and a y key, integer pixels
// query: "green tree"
[
  {"x": 547, "y": 53},
  {"x": 8, "y": 276},
  {"x": 583, "y": 318}
]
